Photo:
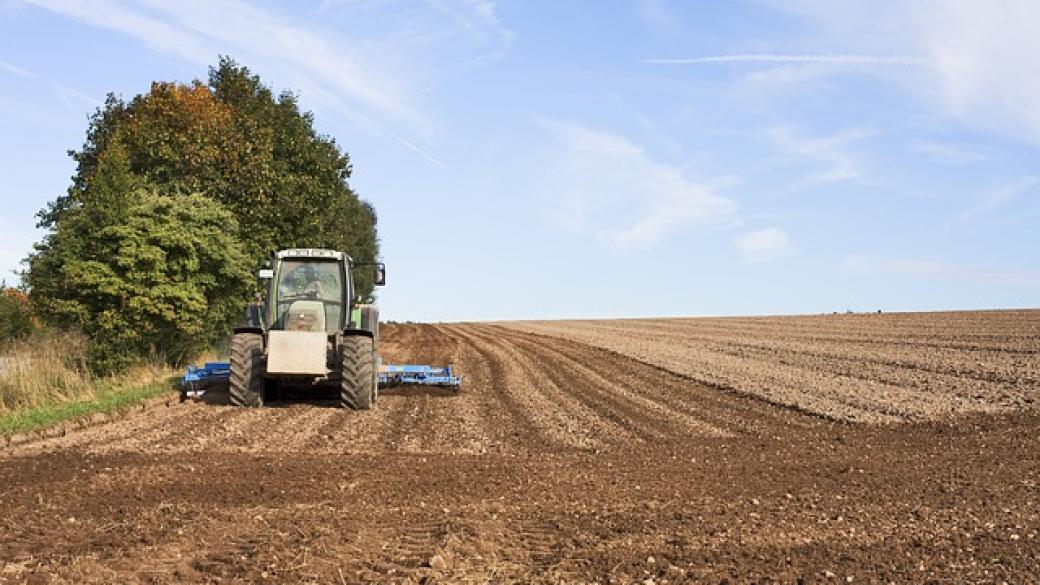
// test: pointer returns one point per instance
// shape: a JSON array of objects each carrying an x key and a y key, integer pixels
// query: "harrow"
[
  {"x": 198, "y": 380},
  {"x": 391, "y": 375}
]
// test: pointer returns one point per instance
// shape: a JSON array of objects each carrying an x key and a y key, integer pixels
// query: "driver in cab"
[{"x": 305, "y": 282}]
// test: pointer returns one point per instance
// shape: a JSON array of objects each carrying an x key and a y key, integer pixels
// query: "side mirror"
[
  {"x": 380, "y": 276},
  {"x": 266, "y": 274}
]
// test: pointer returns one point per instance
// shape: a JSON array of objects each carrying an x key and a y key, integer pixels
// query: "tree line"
[{"x": 179, "y": 195}]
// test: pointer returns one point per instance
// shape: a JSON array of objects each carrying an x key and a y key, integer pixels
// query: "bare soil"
[
  {"x": 558, "y": 461},
  {"x": 857, "y": 367}
]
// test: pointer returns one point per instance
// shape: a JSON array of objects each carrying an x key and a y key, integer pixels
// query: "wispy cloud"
[
  {"x": 373, "y": 80},
  {"x": 946, "y": 152},
  {"x": 612, "y": 189},
  {"x": 63, "y": 91},
  {"x": 872, "y": 266},
  {"x": 70, "y": 93},
  {"x": 478, "y": 16},
  {"x": 656, "y": 14},
  {"x": 829, "y": 59},
  {"x": 764, "y": 245},
  {"x": 8, "y": 67},
  {"x": 997, "y": 196},
  {"x": 831, "y": 154},
  {"x": 981, "y": 59},
  {"x": 199, "y": 30}
]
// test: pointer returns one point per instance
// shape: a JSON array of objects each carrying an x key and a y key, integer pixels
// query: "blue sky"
[{"x": 581, "y": 159}]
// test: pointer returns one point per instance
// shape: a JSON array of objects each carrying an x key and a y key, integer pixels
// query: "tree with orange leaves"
[{"x": 16, "y": 316}]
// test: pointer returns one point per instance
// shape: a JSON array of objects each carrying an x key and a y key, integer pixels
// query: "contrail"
[
  {"x": 781, "y": 58},
  {"x": 16, "y": 70},
  {"x": 418, "y": 151},
  {"x": 66, "y": 91}
]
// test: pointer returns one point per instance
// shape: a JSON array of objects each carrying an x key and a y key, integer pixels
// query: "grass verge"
[{"x": 105, "y": 399}]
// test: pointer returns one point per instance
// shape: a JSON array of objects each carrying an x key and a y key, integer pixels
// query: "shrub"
[{"x": 16, "y": 316}]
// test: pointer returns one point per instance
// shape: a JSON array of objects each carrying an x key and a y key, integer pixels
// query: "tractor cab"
[{"x": 309, "y": 293}]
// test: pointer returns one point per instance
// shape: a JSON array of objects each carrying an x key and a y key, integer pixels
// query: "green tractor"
[{"x": 310, "y": 330}]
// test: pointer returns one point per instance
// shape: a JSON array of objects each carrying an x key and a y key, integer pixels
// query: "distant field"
[{"x": 855, "y": 367}]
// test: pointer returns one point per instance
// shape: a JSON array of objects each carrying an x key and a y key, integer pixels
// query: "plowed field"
[
  {"x": 558, "y": 461},
  {"x": 861, "y": 367}
]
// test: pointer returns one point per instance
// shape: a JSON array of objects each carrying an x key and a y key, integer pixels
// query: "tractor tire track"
[{"x": 558, "y": 419}]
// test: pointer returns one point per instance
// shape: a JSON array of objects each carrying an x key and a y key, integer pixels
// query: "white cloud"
[
  {"x": 872, "y": 266},
  {"x": 612, "y": 188},
  {"x": 981, "y": 60},
  {"x": 833, "y": 59},
  {"x": 764, "y": 245},
  {"x": 997, "y": 196}
]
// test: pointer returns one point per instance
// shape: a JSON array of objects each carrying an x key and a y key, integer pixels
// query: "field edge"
[{"x": 106, "y": 400}]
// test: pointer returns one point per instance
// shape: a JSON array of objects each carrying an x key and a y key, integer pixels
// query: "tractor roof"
[{"x": 312, "y": 253}]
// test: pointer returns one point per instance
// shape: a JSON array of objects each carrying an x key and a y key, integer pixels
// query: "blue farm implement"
[
  {"x": 197, "y": 380},
  {"x": 391, "y": 375}
]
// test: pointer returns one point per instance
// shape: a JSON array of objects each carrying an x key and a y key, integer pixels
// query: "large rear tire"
[
  {"x": 246, "y": 383},
  {"x": 357, "y": 388}
]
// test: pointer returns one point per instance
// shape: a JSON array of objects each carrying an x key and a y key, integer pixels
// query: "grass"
[
  {"x": 44, "y": 368},
  {"x": 105, "y": 399},
  {"x": 44, "y": 380}
]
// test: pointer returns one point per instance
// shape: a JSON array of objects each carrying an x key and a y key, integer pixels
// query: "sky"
[{"x": 535, "y": 159}]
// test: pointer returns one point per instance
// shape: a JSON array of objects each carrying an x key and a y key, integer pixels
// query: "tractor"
[{"x": 309, "y": 330}]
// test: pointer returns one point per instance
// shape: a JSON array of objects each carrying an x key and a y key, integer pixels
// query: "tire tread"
[
  {"x": 246, "y": 382},
  {"x": 357, "y": 373}
]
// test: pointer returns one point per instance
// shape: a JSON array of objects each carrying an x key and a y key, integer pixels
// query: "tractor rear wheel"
[
  {"x": 246, "y": 383},
  {"x": 357, "y": 372}
]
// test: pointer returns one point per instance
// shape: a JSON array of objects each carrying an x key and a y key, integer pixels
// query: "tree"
[
  {"x": 149, "y": 172},
  {"x": 235, "y": 142},
  {"x": 306, "y": 199},
  {"x": 163, "y": 275}
]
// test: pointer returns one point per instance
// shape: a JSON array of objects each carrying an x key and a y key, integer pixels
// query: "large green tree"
[
  {"x": 156, "y": 175},
  {"x": 233, "y": 140}
]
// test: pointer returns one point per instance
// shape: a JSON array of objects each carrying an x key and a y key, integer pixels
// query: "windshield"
[{"x": 309, "y": 295}]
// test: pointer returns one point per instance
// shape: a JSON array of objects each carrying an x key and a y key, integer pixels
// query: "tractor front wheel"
[
  {"x": 357, "y": 382},
  {"x": 246, "y": 383}
]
